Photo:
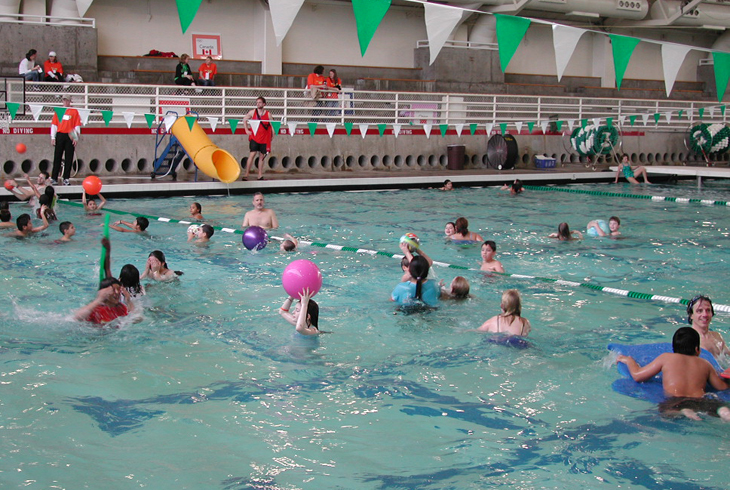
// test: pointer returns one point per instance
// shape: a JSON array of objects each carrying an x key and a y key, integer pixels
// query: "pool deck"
[
  {"x": 707, "y": 172},
  {"x": 131, "y": 186}
]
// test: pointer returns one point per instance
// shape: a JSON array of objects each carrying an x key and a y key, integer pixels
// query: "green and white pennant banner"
[
  {"x": 84, "y": 115},
  {"x": 330, "y": 128},
  {"x": 36, "y": 110},
  {"x": 292, "y": 128},
  {"x": 519, "y": 127},
  {"x": 441, "y": 20},
  {"x": 363, "y": 129},
  {"x": 490, "y": 126},
  {"x": 645, "y": 118},
  {"x": 544, "y": 126},
  {"x": 459, "y": 128},
  {"x": 571, "y": 123},
  {"x": 396, "y": 129},
  {"x": 254, "y": 123},
  {"x": 283, "y": 13},
  {"x": 128, "y": 118},
  {"x": 673, "y": 56},
  {"x": 213, "y": 121},
  {"x": 427, "y": 129},
  {"x": 565, "y": 40},
  {"x": 668, "y": 115}
]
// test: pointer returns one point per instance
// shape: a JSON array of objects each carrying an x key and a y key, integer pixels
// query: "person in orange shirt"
[
  {"x": 316, "y": 84},
  {"x": 64, "y": 136},
  {"x": 207, "y": 72},
  {"x": 334, "y": 87},
  {"x": 53, "y": 68}
]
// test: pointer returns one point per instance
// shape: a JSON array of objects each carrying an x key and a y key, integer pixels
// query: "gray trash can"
[{"x": 455, "y": 156}]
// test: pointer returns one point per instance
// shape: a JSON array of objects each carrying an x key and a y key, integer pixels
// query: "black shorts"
[
  {"x": 707, "y": 405},
  {"x": 259, "y": 147}
]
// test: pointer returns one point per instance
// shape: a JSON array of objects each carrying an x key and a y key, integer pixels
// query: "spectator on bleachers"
[
  {"x": 53, "y": 69},
  {"x": 207, "y": 73},
  {"x": 28, "y": 69},
  {"x": 183, "y": 74}
]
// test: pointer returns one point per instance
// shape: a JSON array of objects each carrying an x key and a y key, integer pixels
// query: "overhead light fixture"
[{"x": 578, "y": 13}]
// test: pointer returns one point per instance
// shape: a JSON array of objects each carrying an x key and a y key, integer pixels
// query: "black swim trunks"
[{"x": 710, "y": 406}]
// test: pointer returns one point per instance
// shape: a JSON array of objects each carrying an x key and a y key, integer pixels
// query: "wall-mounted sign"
[{"x": 205, "y": 45}]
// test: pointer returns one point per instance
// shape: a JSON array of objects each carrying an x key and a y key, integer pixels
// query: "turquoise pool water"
[{"x": 210, "y": 388}]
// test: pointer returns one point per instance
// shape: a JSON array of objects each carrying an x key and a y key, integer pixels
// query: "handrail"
[
  {"x": 47, "y": 20},
  {"x": 358, "y": 107}
]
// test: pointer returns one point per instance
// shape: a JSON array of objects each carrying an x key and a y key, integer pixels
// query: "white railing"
[
  {"x": 48, "y": 20},
  {"x": 357, "y": 107},
  {"x": 452, "y": 43}
]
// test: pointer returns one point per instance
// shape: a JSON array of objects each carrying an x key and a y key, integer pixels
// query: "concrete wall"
[
  {"x": 134, "y": 155},
  {"x": 75, "y": 46}
]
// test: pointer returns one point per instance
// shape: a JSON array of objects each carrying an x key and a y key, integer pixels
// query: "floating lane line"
[
  {"x": 594, "y": 287},
  {"x": 681, "y": 200}
]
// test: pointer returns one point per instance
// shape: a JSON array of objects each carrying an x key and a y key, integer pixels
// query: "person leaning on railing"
[{"x": 28, "y": 69}]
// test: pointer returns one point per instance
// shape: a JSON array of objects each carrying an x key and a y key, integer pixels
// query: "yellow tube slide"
[{"x": 210, "y": 159}]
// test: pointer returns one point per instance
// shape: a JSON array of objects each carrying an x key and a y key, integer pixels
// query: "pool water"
[{"x": 208, "y": 387}]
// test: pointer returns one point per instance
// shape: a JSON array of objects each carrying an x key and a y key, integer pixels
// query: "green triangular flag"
[
  {"x": 368, "y": 15},
  {"x": 510, "y": 31},
  {"x": 234, "y": 125},
  {"x": 312, "y": 128},
  {"x": 503, "y": 128},
  {"x": 722, "y": 72},
  {"x": 12, "y": 109},
  {"x": 276, "y": 125},
  {"x": 623, "y": 47},
  {"x": 632, "y": 119},
  {"x": 583, "y": 123},
  {"x": 609, "y": 122},
  {"x": 107, "y": 115},
  {"x": 473, "y": 128},
  {"x": 681, "y": 112},
  {"x": 60, "y": 111},
  {"x": 530, "y": 126},
  {"x": 443, "y": 128},
  {"x": 722, "y": 109},
  {"x": 381, "y": 129},
  {"x": 191, "y": 121},
  {"x": 656, "y": 118},
  {"x": 701, "y": 110},
  {"x": 348, "y": 128},
  {"x": 150, "y": 120},
  {"x": 558, "y": 125},
  {"x": 186, "y": 10}
]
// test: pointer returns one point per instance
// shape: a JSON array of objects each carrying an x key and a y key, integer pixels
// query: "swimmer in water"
[
  {"x": 462, "y": 233},
  {"x": 289, "y": 244},
  {"x": 614, "y": 223},
  {"x": 684, "y": 377},
  {"x": 90, "y": 205},
  {"x": 156, "y": 268},
  {"x": 68, "y": 230},
  {"x": 139, "y": 225},
  {"x": 459, "y": 289},
  {"x": 195, "y": 210},
  {"x": 418, "y": 287},
  {"x": 448, "y": 186},
  {"x": 25, "y": 225},
  {"x": 514, "y": 188},
  {"x": 449, "y": 229},
  {"x": 408, "y": 257},
  {"x": 107, "y": 305},
  {"x": 305, "y": 316},
  {"x": 699, "y": 314},
  {"x": 565, "y": 234},
  {"x": 201, "y": 234},
  {"x": 510, "y": 321},
  {"x": 128, "y": 276},
  {"x": 489, "y": 263}
]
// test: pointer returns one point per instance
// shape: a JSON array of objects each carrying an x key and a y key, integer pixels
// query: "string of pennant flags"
[{"x": 363, "y": 128}]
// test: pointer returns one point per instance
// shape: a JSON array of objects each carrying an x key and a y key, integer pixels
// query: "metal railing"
[
  {"x": 357, "y": 107},
  {"x": 452, "y": 43},
  {"x": 47, "y": 20}
]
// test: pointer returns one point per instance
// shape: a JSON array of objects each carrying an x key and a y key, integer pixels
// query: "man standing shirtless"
[{"x": 259, "y": 215}]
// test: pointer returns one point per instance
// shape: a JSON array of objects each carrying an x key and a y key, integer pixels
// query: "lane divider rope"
[
  {"x": 344, "y": 248},
  {"x": 682, "y": 200}
]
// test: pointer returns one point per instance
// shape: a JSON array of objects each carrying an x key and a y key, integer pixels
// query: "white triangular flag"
[
  {"x": 427, "y": 129},
  {"x": 254, "y": 123},
  {"x": 363, "y": 129},
  {"x": 169, "y": 121},
  {"x": 668, "y": 115},
  {"x": 712, "y": 111},
  {"x": 519, "y": 126},
  {"x": 544, "y": 126},
  {"x": 84, "y": 115},
  {"x": 82, "y": 6},
  {"x": 459, "y": 129},
  {"x": 645, "y": 118},
  {"x": 330, "y": 128},
  {"x": 597, "y": 121},
  {"x": 396, "y": 129},
  {"x": 283, "y": 13},
  {"x": 213, "y": 121},
  {"x": 489, "y": 128},
  {"x": 292, "y": 128},
  {"x": 673, "y": 56},
  {"x": 571, "y": 123},
  {"x": 128, "y": 118},
  {"x": 36, "y": 110},
  {"x": 565, "y": 39},
  {"x": 440, "y": 23},
  {"x": 621, "y": 120}
]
